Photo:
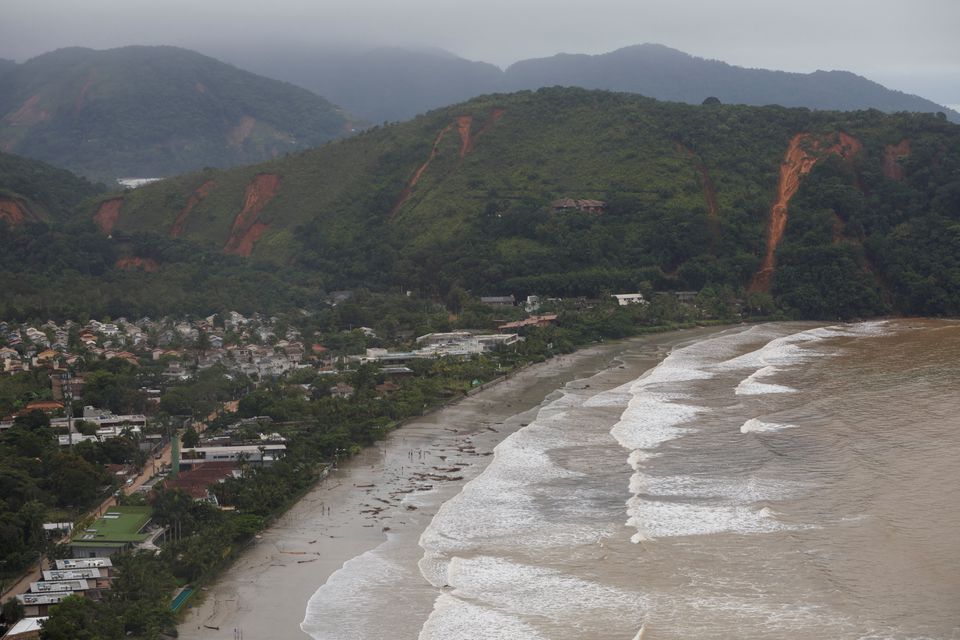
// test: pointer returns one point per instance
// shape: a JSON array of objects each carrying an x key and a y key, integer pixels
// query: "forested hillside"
[
  {"x": 33, "y": 191},
  {"x": 154, "y": 111},
  {"x": 828, "y": 214}
]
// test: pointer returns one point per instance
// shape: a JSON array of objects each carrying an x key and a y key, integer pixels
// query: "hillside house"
[
  {"x": 499, "y": 301},
  {"x": 566, "y": 205}
]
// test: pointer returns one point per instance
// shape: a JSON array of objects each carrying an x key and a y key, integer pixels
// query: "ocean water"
[{"x": 774, "y": 481}]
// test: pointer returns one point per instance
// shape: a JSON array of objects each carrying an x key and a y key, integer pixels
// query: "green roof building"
[{"x": 118, "y": 529}]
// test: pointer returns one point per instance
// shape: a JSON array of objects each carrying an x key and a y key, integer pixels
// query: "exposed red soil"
[
  {"x": 463, "y": 126},
  {"x": 13, "y": 212},
  {"x": 28, "y": 114},
  {"x": 107, "y": 215},
  {"x": 408, "y": 190},
  {"x": 82, "y": 98},
  {"x": 470, "y": 141},
  {"x": 803, "y": 152},
  {"x": 134, "y": 263},
  {"x": 246, "y": 230},
  {"x": 891, "y": 159},
  {"x": 244, "y": 245},
  {"x": 242, "y": 131},
  {"x": 199, "y": 86},
  {"x": 201, "y": 192}
]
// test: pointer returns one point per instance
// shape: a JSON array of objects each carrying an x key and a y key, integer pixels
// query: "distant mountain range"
[
  {"x": 154, "y": 111},
  {"x": 396, "y": 84}
]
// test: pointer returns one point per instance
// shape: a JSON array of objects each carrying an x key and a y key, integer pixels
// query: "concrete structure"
[
  {"x": 253, "y": 454},
  {"x": 499, "y": 301},
  {"x": 92, "y": 576},
  {"x": 38, "y": 604},
  {"x": 25, "y": 629},
  {"x": 59, "y": 586},
  {"x": 68, "y": 564},
  {"x": 118, "y": 529},
  {"x": 624, "y": 299}
]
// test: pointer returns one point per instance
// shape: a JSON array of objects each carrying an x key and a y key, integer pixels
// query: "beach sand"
[{"x": 264, "y": 594}]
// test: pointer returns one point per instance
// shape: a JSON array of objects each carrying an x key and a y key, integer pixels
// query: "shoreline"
[{"x": 389, "y": 490}]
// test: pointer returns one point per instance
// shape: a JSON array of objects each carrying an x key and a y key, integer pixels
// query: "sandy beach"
[{"x": 390, "y": 490}]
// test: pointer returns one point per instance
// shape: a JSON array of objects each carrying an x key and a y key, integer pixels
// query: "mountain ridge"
[
  {"x": 464, "y": 196},
  {"x": 388, "y": 84},
  {"x": 154, "y": 111}
]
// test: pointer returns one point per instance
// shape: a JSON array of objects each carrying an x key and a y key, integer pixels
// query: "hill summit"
[{"x": 154, "y": 112}]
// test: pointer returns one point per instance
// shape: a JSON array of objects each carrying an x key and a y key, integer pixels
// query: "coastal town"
[{"x": 205, "y": 408}]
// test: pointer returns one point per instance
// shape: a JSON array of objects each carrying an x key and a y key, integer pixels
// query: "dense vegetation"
[
  {"x": 480, "y": 216},
  {"x": 44, "y": 191},
  {"x": 396, "y": 84},
  {"x": 154, "y": 111}
]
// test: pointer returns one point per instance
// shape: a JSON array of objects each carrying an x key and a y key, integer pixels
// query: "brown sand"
[{"x": 265, "y": 592}]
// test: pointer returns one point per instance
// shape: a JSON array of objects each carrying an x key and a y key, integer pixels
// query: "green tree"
[
  {"x": 79, "y": 618},
  {"x": 190, "y": 438}
]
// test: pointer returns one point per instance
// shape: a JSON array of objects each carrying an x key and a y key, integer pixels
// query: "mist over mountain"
[
  {"x": 154, "y": 111},
  {"x": 398, "y": 83},
  {"x": 391, "y": 83}
]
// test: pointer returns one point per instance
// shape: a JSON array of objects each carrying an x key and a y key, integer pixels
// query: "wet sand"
[{"x": 264, "y": 593}]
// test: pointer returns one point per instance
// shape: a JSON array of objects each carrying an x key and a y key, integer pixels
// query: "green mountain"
[
  {"x": 34, "y": 191},
  {"x": 832, "y": 213},
  {"x": 154, "y": 111},
  {"x": 397, "y": 84}
]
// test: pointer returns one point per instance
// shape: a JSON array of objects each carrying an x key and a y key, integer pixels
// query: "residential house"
[{"x": 342, "y": 390}]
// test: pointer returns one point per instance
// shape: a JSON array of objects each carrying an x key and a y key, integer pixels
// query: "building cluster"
[
  {"x": 86, "y": 577},
  {"x": 454, "y": 344}
]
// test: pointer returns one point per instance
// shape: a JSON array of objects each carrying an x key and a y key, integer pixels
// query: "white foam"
[
  {"x": 756, "y": 425},
  {"x": 502, "y": 506},
  {"x": 538, "y": 591},
  {"x": 751, "y": 386},
  {"x": 735, "y": 490},
  {"x": 454, "y": 619},
  {"x": 660, "y": 519},
  {"x": 653, "y": 418},
  {"x": 347, "y": 596}
]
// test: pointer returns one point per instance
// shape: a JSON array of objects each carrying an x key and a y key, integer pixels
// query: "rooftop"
[{"x": 117, "y": 525}]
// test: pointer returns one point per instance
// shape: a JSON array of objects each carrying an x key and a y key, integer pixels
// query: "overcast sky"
[{"x": 911, "y": 45}]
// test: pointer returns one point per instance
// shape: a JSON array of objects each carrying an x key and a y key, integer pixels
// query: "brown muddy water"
[{"x": 785, "y": 480}]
